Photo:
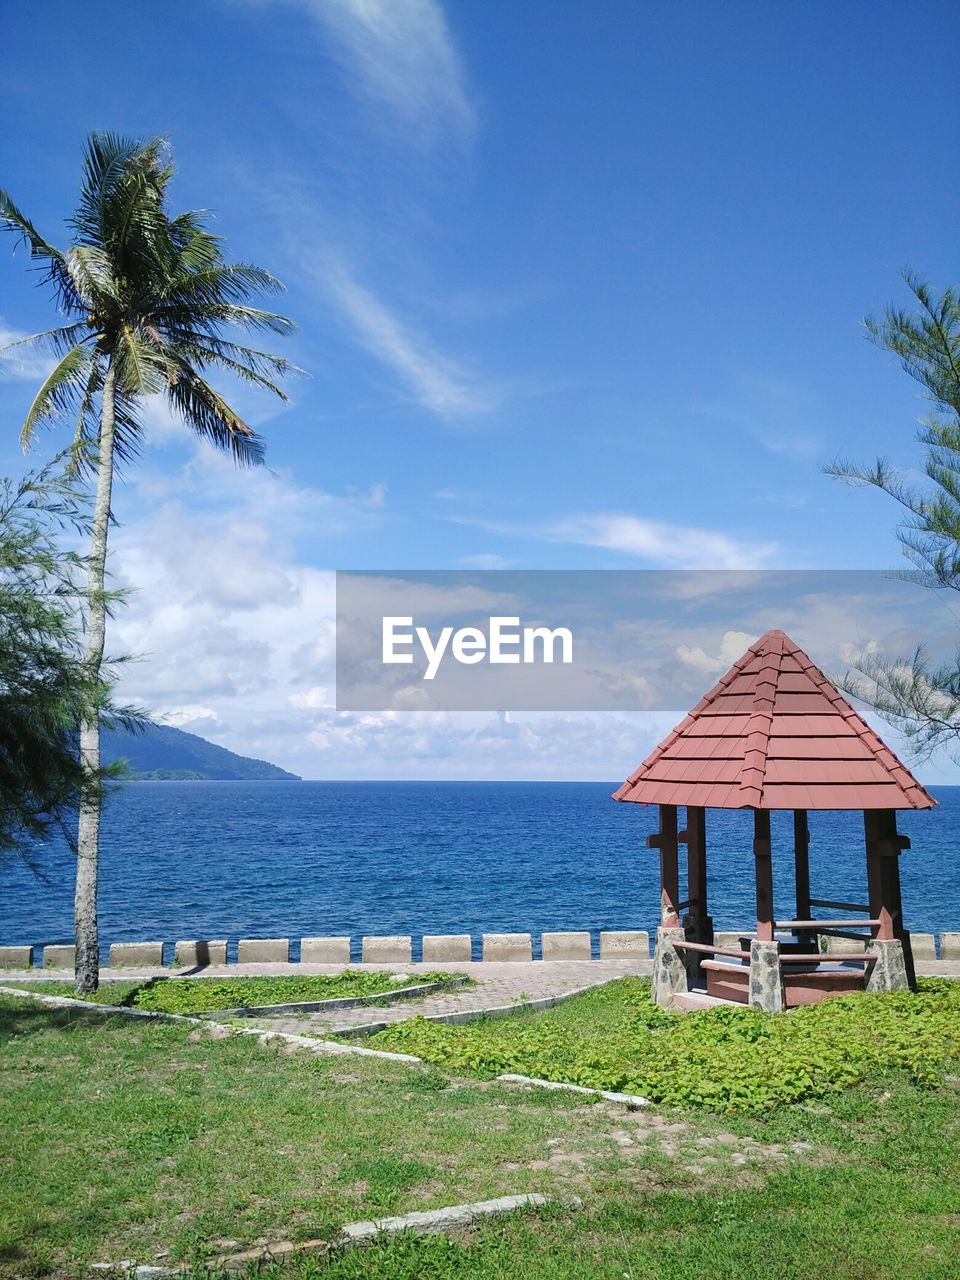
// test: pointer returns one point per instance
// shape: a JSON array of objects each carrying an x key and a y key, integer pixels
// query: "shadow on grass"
[{"x": 26, "y": 1017}]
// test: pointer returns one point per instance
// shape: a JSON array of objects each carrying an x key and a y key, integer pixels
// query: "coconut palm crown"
[
  {"x": 149, "y": 301},
  {"x": 149, "y": 296}
]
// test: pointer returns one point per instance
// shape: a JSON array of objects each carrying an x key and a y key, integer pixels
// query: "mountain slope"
[{"x": 164, "y": 752}]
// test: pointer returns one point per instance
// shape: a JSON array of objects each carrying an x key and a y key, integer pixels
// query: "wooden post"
[
  {"x": 667, "y": 842},
  {"x": 875, "y": 894},
  {"x": 801, "y": 862},
  {"x": 884, "y": 843},
  {"x": 764, "y": 874},
  {"x": 696, "y": 839}
]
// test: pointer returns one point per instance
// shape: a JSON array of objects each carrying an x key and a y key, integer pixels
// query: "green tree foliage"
[
  {"x": 918, "y": 697},
  {"x": 45, "y": 690},
  {"x": 149, "y": 303}
]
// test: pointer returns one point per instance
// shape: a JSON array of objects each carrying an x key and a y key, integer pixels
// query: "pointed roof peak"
[{"x": 774, "y": 733}]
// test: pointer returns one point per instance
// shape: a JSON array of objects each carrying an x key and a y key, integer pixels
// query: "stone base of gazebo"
[{"x": 771, "y": 976}]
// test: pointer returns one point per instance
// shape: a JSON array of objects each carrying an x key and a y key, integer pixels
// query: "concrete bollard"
[
  {"x": 16, "y": 957},
  {"x": 565, "y": 946},
  {"x": 728, "y": 939},
  {"x": 447, "y": 948},
  {"x": 196, "y": 954},
  {"x": 136, "y": 955},
  {"x": 263, "y": 951},
  {"x": 59, "y": 957},
  {"x": 391, "y": 949},
  {"x": 324, "y": 950},
  {"x": 842, "y": 946},
  {"x": 625, "y": 944},
  {"x": 507, "y": 946},
  {"x": 950, "y": 946},
  {"x": 923, "y": 946}
]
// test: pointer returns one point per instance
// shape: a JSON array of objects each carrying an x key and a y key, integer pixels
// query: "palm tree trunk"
[{"x": 88, "y": 833}]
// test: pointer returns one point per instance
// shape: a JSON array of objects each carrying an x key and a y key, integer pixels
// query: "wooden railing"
[
  {"x": 822, "y": 926},
  {"x": 838, "y": 906},
  {"x": 709, "y": 949},
  {"x": 813, "y": 957}
]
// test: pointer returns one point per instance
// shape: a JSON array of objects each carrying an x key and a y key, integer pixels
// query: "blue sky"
[{"x": 577, "y": 286}]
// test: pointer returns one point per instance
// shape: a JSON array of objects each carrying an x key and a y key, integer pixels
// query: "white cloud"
[
  {"x": 399, "y": 55},
  {"x": 486, "y": 560},
  {"x": 657, "y": 542},
  {"x": 194, "y": 715},
  {"x": 677, "y": 546},
  {"x": 732, "y": 647},
  {"x": 437, "y": 382}
]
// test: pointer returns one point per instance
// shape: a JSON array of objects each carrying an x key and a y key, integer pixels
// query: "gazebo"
[{"x": 774, "y": 733}]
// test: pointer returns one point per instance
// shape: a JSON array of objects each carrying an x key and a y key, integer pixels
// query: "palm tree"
[{"x": 148, "y": 299}]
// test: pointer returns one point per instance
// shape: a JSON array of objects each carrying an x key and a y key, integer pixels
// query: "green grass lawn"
[
  {"x": 121, "y": 1138},
  {"x": 723, "y": 1059},
  {"x": 206, "y": 995}
]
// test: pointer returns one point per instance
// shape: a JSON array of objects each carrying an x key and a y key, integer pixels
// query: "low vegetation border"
[
  {"x": 461, "y": 1017},
  {"x": 342, "y": 1002},
  {"x": 352, "y": 1235},
  {"x": 313, "y": 1043},
  {"x": 236, "y": 996}
]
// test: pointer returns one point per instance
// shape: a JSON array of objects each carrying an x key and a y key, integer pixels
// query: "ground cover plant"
[
  {"x": 206, "y": 995},
  {"x": 722, "y": 1059},
  {"x": 199, "y": 1141}
]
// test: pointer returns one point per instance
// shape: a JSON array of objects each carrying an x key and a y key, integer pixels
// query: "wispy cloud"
[
  {"x": 679, "y": 546},
  {"x": 400, "y": 55},
  {"x": 657, "y": 542},
  {"x": 486, "y": 560},
  {"x": 437, "y": 382}
]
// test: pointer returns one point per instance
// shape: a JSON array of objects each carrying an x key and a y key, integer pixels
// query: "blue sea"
[{"x": 287, "y": 859}]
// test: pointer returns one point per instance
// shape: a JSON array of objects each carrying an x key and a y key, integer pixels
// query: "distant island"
[{"x": 162, "y": 753}]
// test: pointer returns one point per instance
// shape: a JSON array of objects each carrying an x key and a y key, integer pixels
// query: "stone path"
[{"x": 496, "y": 983}]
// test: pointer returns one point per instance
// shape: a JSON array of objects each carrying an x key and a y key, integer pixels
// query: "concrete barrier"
[
  {"x": 263, "y": 951},
  {"x": 447, "y": 948},
  {"x": 507, "y": 946},
  {"x": 924, "y": 946},
  {"x": 625, "y": 944},
  {"x": 16, "y": 957},
  {"x": 950, "y": 946},
  {"x": 197, "y": 954},
  {"x": 136, "y": 955},
  {"x": 841, "y": 946},
  {"x": 727, "y": 938},
  {"x": 59, "y": 957},
  {"x": 565, "y": 946},
  {"x": 324, "y": 950},
  {"x": 392, "y": 949}
]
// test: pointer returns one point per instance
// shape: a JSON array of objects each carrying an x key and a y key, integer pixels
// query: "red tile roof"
[{"x": 774, "y": 734}]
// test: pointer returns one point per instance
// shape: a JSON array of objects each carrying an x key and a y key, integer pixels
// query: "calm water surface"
[{"x": 262, "y": 859}]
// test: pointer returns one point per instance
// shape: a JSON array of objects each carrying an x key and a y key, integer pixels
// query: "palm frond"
[
  {"x": 54, "y": 265},
  {"x": 61, "y": 389},
  {"x": 59, "y": 340},
  {"x": 142, "y": 368},
  {"x": 91, "y": 271},
  {"x": 212, "y": 418},
  {"x": 210, "y": 348}
]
